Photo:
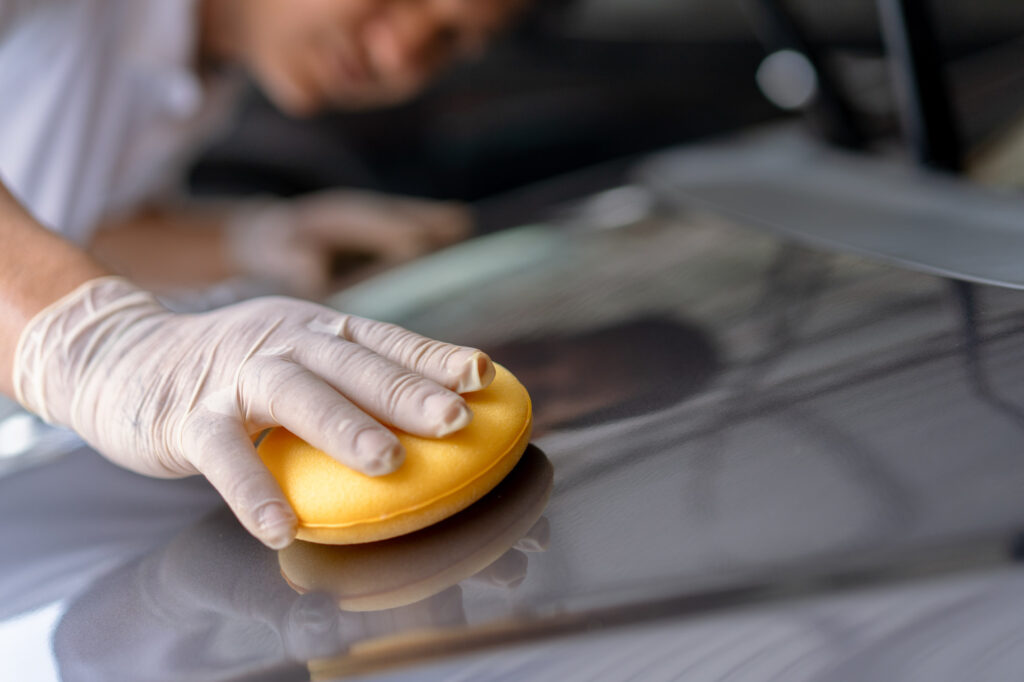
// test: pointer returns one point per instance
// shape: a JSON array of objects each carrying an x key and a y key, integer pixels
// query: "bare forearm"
[
  {"x": 36, "y": 268},
  {"x": 164, "y": 249},
  {"x": 291, "y": 243}
]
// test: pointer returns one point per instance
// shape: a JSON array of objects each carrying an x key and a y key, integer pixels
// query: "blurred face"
[{"x": 309, "y": 54}]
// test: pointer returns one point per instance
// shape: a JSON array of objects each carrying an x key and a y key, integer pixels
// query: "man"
[
  {"x": 106, "y": 100},
  {"x": 101, "y": 99}
]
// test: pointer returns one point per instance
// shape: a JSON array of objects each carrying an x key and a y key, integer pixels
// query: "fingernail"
[
  {"x": 529, "y": 544},
  {"x": 537, "y": 539},
  {"x": 277, "y": 525},
  {"x": 475, "y": 370},
  {"x": 379, "y": 453},
  {"x": 448, "y": 413},
  {"x": 509, "y": 570}
]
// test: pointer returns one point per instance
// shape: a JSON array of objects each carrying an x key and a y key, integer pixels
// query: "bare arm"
[
  {"x": 37, "y": 267},
  {"x": 295, "y": 243},
  {"x": 161, "y": 249}
]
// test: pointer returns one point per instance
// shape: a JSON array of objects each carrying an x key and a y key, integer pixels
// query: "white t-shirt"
[{"x": 100, "y": 107}]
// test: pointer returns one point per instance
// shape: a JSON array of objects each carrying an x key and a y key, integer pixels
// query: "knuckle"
[
  {"x": 416, "y": 352},
  {"x": 324, "y": 320},
  {"x": 370, "y": 432},
  {"x": 346, "y": 435},
  {"x": 339, "y": 352},
  {"x": 356, "y": 327},
  {"x": 400, "y": 389},
  {"x": 195, "y": 436},
  {"x": 421, "y": 353},
  {"x": 331, "y": 323},
  {"x": 377, "y": 451},
  {"x": 267, "y": 374},
  {"x": 317, "y": 416},
  {"x": 445, "y": 355},
  {"x": 247, "y": 493},
  {"x": 393, "y": 337},
  {"x": 383, "y": 334}
]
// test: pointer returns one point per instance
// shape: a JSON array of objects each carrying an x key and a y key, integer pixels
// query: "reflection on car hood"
[
  {"x": 783, "y": 180},
  {"x": 729, "y": 415}
]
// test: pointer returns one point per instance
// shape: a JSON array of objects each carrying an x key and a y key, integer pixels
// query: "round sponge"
[{"x": 339, "y": 506}]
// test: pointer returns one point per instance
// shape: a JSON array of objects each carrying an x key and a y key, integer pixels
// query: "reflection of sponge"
[
  {"x": 440, "y": 477},
  {"x": 405, "y": 570}
]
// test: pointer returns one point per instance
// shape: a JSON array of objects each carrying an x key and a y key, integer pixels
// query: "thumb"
[{"x": 225, "y": 455}]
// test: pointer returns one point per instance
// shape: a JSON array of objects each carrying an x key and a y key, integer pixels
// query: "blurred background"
[{"x": 594, "y": 83}]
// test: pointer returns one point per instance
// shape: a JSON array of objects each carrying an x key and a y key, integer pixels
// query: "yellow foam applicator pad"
[{"x": 339, "y": 506}]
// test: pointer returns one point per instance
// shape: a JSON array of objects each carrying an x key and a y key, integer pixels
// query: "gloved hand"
[
  {"x": 293, "y": 242},
  {"x": 171, "y": 395}
]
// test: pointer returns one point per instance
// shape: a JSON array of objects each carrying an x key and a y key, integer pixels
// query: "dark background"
[{"x": 596, "y": 82}]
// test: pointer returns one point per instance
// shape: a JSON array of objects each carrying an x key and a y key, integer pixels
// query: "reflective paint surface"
[
  {"x": 781, "y": 179},
  {"x": 767, "y": 461}
]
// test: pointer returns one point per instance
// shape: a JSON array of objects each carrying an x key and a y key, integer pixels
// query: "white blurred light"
[
  {"x": 787, "y": 78},
  {"x": 18, "y": 433},
  {"x": 25, "y": 647},
  {"x": 616, "y": 207}
]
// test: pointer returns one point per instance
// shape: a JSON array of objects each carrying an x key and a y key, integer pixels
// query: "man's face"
[{"x": 309, "y": 54}]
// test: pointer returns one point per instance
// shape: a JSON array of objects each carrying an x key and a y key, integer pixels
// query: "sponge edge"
[{"x": 440, "y": 477}]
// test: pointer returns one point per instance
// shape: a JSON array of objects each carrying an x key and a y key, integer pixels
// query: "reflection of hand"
[
  {"x": 293, "y": 242},
  {"x": 173, "y": 395},
  {"x": 208, "y": 605},
  {"x": 509, "y": 570},
  {"x": 214, "y": 584}
]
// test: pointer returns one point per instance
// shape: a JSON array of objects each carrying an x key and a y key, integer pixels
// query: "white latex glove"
[
  {"x": 171, "y": 395},
  {"x": 292, "y": 242}
]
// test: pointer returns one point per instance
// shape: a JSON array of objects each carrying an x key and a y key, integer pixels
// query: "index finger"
[{"x": 459, "y": 368}]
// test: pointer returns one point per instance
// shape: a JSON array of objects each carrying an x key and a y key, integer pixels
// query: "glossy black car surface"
[{"x": 769, "y": 462}]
